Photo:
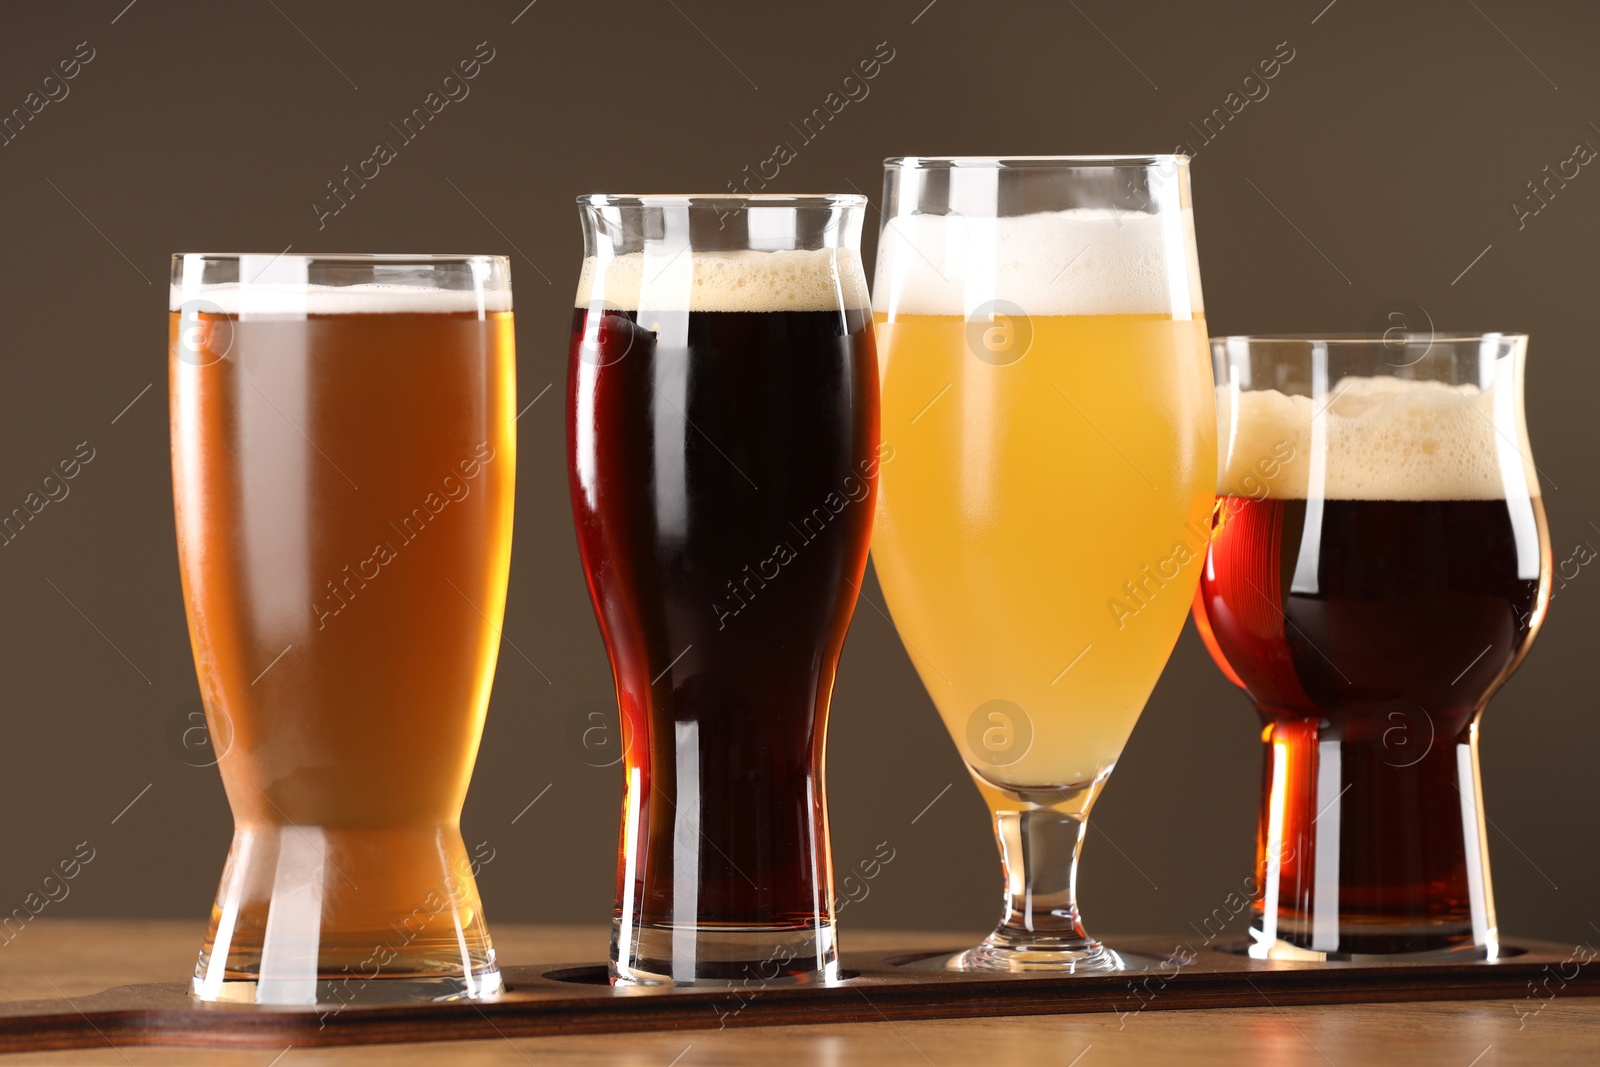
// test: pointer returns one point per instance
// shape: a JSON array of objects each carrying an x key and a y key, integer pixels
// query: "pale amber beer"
[
  {"x": 343, "y": 462},
  {"x": 1047, "y": 398}
]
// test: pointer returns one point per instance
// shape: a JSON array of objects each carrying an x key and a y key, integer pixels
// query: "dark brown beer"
[{"x": 723, "y": 473}]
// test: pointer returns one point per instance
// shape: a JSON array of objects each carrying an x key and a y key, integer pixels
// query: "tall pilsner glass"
[
  {"x": 1047, "y": 395},
  {"x": 722, "y": 410},
  {"x": 342, "y": 464},
  {"x": 1379, "y": 566}
]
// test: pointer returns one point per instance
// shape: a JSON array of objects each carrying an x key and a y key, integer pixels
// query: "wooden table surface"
[{"x": 67, "y": 958}]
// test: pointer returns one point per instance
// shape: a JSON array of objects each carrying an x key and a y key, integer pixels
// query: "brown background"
[{"x": 1394, "y": 141}]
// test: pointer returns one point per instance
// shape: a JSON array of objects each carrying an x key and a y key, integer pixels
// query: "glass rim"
[
  {"x": 1032, "y": 162},
  {"x": 1387, "y": 338},
  {"x": 344, "y": 257},
  {"x": 691, "y": 200}
]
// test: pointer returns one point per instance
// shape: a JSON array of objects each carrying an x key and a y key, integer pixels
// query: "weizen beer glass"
[
  {"x": 1379, "y": 564},
  {"x": 722, "y": 413},
  {"x": 342, "y": 464},
  {"x": 1040, "y": 529}
]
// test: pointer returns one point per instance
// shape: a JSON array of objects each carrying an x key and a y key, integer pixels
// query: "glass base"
[
  {"x": 723, "y": 955},
  {"x": 1040, "y": 959},
  {"x": 310, "y": 916},
  {"x": 1058, "y": 959},
  {"x": 1463, "y": 950},
  {"x": 1041, "y": 931},
  {"x": 334, "y": 995},
  {"x": 1055, "y": 955}
]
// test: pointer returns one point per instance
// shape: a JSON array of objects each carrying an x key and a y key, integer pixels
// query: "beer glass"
[
  {"x": 722, "y": 415},
  {"x": 342, "y": 467},
  {"x": 1040, "y": 528},
  {"x": 1379, "y": 564}
]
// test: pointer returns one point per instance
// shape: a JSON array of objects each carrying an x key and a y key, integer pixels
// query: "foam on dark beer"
[
  {"x": 823, "y": 279},
  {"x": 1380, "y": 439}
]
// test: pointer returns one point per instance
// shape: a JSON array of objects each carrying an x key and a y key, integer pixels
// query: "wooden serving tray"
[{"x": 575, "y": 999}]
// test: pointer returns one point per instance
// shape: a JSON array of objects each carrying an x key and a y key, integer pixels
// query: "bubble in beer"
[
  {"x": 1379, "y": 438},
  {"x": 820, "y": 279},
  {"x": 1079, "y": 262}
]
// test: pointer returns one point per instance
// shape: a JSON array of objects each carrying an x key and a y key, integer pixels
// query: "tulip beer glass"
[
  {"x": 1379, "y": 564},
  {"x": 1041, "y": 526}
]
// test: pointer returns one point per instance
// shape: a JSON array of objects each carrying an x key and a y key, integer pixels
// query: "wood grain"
[{"x": 542, "y": 1004}]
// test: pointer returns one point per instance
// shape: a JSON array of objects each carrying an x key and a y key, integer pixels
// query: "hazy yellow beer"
[
  {"x": 1041, "y": 527},
  {"x": 1042, "y": 523}
]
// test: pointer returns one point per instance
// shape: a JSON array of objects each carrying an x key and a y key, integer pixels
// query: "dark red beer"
[{"x": 1422, "y": 609}]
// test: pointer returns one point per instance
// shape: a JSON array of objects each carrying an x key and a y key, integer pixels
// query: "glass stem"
[{"x": 1040, "y": 848}]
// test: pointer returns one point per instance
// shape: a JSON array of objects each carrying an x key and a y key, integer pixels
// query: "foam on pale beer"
[
  {"x": 1087, "y": 261},
  {"x": 823, "y": 279},
  {"x": 1379, "y": 439},
  {"x": 291, "y": 299}
]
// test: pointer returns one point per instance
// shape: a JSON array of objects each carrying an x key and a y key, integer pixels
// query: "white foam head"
[
  {"x": 1379, "y": 438},
  {"x": 1080, "y": 262},
  {"x": 289, "y": 299},
  {"x": 823, "y": 279}
]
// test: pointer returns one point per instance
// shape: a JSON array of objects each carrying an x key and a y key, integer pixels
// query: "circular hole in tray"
[{"x": 596, "y": 975}]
